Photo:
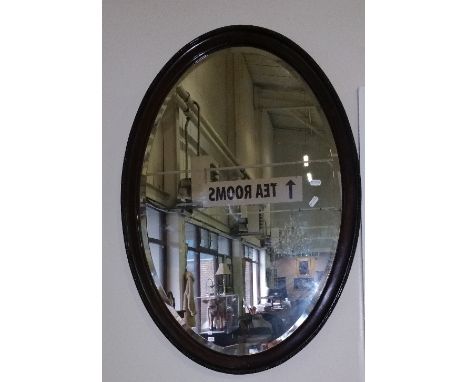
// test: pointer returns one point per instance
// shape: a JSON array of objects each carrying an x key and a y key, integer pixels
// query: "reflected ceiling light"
[
  {"x": 315, "y": 182},
  {"x": 312, "y": 181},
  {"x": 313, "y": 201},
  {"x": 306, "y": 160}
]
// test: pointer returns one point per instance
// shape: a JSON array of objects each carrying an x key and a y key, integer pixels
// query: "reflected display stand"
[{"x": 219, "y": 318}]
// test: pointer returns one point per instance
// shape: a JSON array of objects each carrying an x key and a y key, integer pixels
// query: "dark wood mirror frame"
[{"x": 299, "y": 60}]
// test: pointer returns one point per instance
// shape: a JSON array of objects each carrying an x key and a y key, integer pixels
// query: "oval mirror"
[{"x": 240, "y": 199}]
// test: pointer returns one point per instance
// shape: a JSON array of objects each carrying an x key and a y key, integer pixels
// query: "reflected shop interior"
[{"x": 240, "y": 201}]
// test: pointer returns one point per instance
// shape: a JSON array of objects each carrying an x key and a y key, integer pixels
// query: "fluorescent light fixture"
[
  {"x": 315, "y": 182},
  {"x": 313, "y": 201},
  {"x": 312, "y": 181},
  {"x": 306, "y": 160}
]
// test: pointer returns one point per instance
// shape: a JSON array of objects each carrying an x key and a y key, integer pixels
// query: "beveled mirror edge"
[{"x": 295, "y": 56}]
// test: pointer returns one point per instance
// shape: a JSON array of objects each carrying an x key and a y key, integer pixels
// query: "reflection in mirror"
[{"x": 241, "y": 199}]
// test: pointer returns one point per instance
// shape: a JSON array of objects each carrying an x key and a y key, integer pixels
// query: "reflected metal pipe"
[
  {"x": 182, "y": 97},
  {"x": 198, "y": 127},
  {"x": 186, "y": 148},
  {"x": 244, "y": 166}
]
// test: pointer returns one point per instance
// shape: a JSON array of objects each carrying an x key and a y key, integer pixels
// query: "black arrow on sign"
[{"x": 290, "y": 184}]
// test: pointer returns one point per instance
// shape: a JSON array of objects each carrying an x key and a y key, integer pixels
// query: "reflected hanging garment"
[{"x": 189, "y": 300}]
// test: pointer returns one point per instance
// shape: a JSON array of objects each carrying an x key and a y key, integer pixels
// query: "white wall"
[{"x": 139, "y": 37}]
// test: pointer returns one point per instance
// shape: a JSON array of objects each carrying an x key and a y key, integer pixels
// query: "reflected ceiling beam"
[
  {"x": 319, "y": 226},
  {"x": 278, "y": 88},
  {"x": 285, "y": 89},
  {"x": 272, "y": 65},
  {"x": 275, "y": 96},
  {"x": 324, "y": 238},
  {"x": 241, "y": 167},
  {"x": 290, "y": 128},
  {"x": 308, "y": 125},
  {"x": 313, "y": 209},
  {"x": 286, "y": 108},
  {"x": 299, "y": 129},
  {"x": 332, "y": 209}
]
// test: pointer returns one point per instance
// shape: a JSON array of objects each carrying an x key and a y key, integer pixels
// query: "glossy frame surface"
[{"x": 298, "y": 59}]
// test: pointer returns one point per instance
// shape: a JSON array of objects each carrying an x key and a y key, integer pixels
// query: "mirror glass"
[{"x": 240, "y": 201}]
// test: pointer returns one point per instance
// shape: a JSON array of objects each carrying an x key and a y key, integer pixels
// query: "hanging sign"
[{"x": 244, "y": 192}]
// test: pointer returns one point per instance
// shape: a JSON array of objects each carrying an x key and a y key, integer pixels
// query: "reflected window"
[
  {"x": 204, "y": 238},
  {"x": 155, "y": 223},
  {"x": 251, "y": 276},
  {"x": 224, "y": 246},
  {"x": 213, "y": 241},
  {"x": 190, "y": 235},
  {"x": 206, "y": 250}
]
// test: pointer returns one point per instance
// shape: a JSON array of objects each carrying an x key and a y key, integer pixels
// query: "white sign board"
[{"x": 254, "y": 191}]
